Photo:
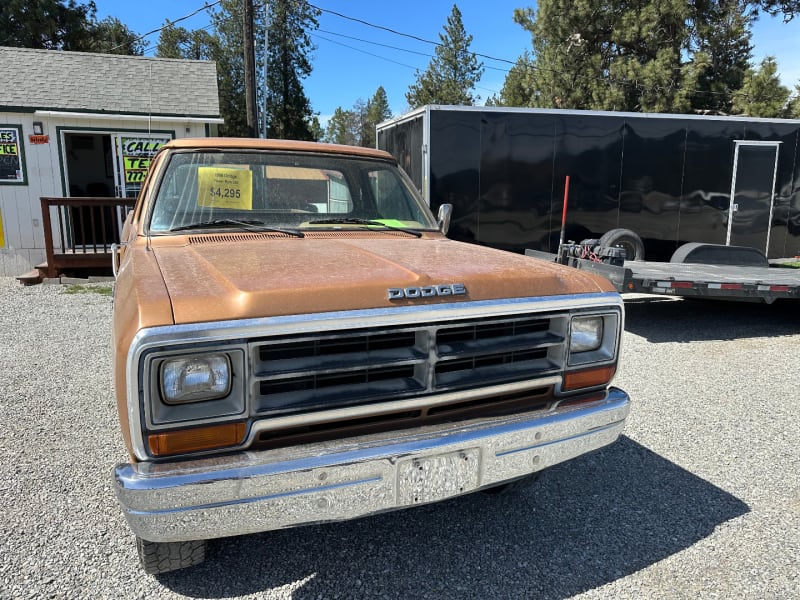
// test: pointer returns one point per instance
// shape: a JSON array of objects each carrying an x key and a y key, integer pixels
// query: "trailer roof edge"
[
  {"x": 558, "y": 111},
  {"x": 410, "y": 115}
]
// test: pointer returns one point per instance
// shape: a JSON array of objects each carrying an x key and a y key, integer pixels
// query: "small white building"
[{"x": 83, "y": 124}]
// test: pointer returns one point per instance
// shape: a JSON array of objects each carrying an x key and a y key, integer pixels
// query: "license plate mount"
[{"x": 431, "y": 478}]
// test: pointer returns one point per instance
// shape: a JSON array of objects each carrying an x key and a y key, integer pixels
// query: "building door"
[
  {"x": 88, "y": 173},
  {"x": 755, "y": 166},
  {"x": 104, "y": 164}
]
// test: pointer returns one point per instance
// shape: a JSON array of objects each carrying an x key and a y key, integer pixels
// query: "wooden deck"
[{"x": 78, "y": 235}]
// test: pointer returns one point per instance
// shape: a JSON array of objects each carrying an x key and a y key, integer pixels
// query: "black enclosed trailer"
[{"x": 668, "y": 178}]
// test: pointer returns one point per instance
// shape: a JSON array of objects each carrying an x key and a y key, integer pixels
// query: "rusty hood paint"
[{"x": 214, "y": 277}]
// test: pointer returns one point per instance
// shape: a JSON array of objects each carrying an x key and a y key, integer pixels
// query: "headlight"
[
  {"x": 593, "y": 338},
  {"x": 195, "y": 379},
  {"x": 586, "y": 334},
  {"x": 592, "y": 351}
]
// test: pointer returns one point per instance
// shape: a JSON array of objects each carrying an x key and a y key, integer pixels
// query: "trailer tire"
[{"x": 628, "y": 240}]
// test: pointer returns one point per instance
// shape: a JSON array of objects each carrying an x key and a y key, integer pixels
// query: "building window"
[{"x": 12, "y": 155}]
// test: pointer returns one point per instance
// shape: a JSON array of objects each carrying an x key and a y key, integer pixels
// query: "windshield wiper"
[
  {"x": 354, "y": 221},
  {"x": 249, "y": 224}
]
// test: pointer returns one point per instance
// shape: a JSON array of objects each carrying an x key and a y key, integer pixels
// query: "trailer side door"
[{"x": 752, "y": 196}]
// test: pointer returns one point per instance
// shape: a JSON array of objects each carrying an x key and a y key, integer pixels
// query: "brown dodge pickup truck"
[{"x": 298, "y": 342}]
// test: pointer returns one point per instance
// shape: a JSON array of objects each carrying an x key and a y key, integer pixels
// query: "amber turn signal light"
[
  {"x": 197, "y": 439},
  {"x": 587, "y": 378}
]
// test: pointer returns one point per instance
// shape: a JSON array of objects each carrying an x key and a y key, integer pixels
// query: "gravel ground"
[{"x": 700, "y": 498}]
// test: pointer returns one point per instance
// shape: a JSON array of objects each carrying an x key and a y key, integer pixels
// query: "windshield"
[{"x": 283, "y": 191}]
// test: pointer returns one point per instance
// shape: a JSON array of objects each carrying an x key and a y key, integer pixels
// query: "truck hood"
[{"x": 238, "y": 276}]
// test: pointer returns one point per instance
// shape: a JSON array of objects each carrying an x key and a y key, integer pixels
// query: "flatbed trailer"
[{"x": 713, "y": 281}]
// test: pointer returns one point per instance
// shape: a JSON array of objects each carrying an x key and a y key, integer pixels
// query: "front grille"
[{"x": 307, "y": 373}]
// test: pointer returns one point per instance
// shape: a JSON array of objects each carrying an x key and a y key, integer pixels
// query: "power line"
[
  {"x": 603, "y": 80},
  {"x": 408, "y": 35},
  {"x": 425, "y": 54},
  {"x": 350, "y": 37},
  {"x": 170, "y": 23},
  {"x": 363, "y": 51},
  {"x": 384, "y": 58},
  {"x": 186, "y": 45}
]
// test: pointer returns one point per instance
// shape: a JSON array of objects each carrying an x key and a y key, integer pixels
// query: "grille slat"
[
  {"x": 345, "y": 352},
  {"x": 502, "y": 344},
  {"x": 331, "y": 367},
  {"x": 364, "y": 366}
]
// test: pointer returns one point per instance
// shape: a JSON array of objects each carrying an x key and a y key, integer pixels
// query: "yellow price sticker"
[{"x": 220, "y": 187}]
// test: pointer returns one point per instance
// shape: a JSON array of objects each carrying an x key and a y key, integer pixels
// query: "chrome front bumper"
[{"x": 250, "y": 492}]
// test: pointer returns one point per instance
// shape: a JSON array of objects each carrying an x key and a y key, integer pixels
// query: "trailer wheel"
[{"x": 628, "y": 240}]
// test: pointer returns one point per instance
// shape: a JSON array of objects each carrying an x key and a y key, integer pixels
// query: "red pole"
[{"x": 564, "y": 212}]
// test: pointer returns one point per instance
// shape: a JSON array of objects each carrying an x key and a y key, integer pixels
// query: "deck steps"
[{"x": 31, "y": 277}]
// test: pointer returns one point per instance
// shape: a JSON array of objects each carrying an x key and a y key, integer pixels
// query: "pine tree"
[
  {"x": 377, "y": 111},
  {"x": 177, "y": 42},
  {"x": 356, "y": 127},
  {"x": 63, "y": 25},
  {"x": 453, "y": 71},
  {"x": 289, "y": 114},
  {"x": 317, "y": 132},
  {"x": 640, "y": 55},
  {"x": 518, "y": 88},
  {"x": 342, "y": 128},
  {"x": 288, "y": 109},
  {"x": 112, "y": 36},
  {"x": 227, "y": 22},
  {"x": 788, "y": 8},
  {"x": 762, "y": 94},
  {"x": 721, "y": 50},
  {"x": 793, "y": 107},
  {"x": 598, "y": 54},
  {"x": 46, "y": 24}
]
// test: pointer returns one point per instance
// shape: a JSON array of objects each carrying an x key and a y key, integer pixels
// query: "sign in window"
[{"x": 11, "y": 168}]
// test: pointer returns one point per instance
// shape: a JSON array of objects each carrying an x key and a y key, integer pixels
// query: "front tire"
[
  {"x": 163, "y": 557},
  {"x": 512, "y": 486}
]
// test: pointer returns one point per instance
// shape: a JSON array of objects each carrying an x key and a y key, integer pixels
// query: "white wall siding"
[{"x": 20, "y": 205}]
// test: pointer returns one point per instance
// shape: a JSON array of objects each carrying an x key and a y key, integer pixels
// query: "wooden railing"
[{"x": 79, "y": 232}]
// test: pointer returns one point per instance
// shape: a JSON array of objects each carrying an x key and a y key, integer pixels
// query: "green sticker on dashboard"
[{"x": 391, "y": 222}]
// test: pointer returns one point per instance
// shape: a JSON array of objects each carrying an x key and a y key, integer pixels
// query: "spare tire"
[{"x": 626, "y": 239}]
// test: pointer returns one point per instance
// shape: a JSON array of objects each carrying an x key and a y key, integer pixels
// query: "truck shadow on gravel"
[
  {"x": 662, "y": 320},
  {"x": 581, "y": 525}
]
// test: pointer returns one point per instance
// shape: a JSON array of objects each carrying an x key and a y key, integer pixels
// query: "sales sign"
[
  {"x": 10, "y": 156},
  {"x": 136, "y": 156},
  {"x": 223, "y": 187}
]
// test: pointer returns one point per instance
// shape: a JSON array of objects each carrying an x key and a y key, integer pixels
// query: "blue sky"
[{"x": 347, "y": 67}]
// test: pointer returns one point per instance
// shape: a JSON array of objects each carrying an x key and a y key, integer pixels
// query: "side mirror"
[
  {"x": 116, "y": 257},
  {"x": 445, "y": 212}
]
